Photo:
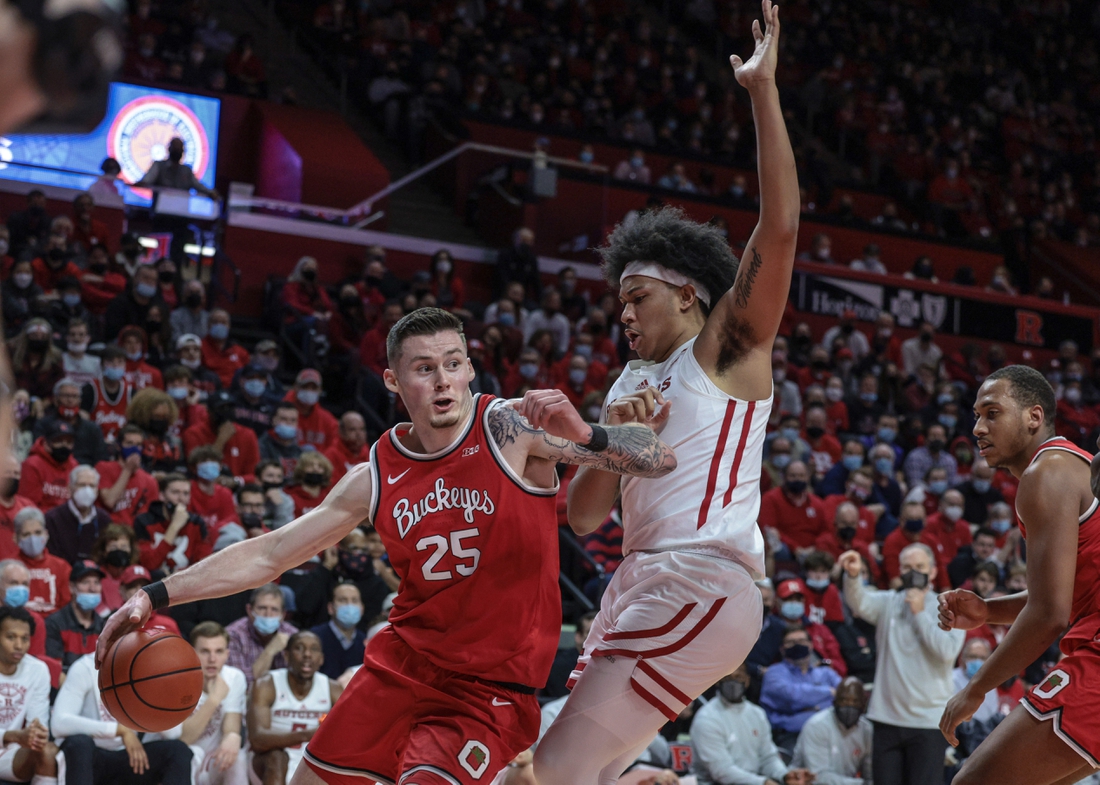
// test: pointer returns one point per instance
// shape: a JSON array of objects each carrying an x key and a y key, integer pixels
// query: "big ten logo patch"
[{"x": 468, "y": 451}]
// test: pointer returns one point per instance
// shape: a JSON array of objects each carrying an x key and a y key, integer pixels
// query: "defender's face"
[
  {"x": 433, "y": 378},
  {"x": 650, "y": 314}
]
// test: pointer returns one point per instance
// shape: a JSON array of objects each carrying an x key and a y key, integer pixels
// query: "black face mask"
[
  {"x": 61, "y": 454},
  {"x": 732, "y": 691},
  {"x": 98, "y": 269},
  {"x": 269, "y": 485},
  {"x": 10, "y": 487},
  {"x": 798, "y": 651},
  {"x": 166, "y": 276},
  {"x": 56, "y": 254},
  {"x": 848, "y": 715},
  {"x": 374, "y": 280},
  {"x": 351, "y": 303},
  {"x": 815, "y": 432},
  {"x": 935, "y": 445},
  {"x": 913, "y": 580},
  {"x": 313, "y": 478},
  {"x": 152, "y": 328},
  {"x": 117, "y": 558},
  {"x": 796, "y": 486},
  {"x": 309, "y": 275},
  {"x": 193, "y": 300},
  {"x": 251, "y": 520},
  {"x": 354, "y": 565},
  {"x": 158, "y": 427},
  {"x": 846, "y": 532},
  {"x": 38, "y": 345}
]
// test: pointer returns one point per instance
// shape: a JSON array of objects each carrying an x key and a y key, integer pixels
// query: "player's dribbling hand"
[
  {"x": 962, "y": 610},
  {"x": 760, "y": 68},
  {"x": 551, "y": 411},
  {"x": 639, "y": 407},
  {"x": 959, "y": 709},
  {"x": 851, "y": 563},
  {"x": 131, "y": 616}
]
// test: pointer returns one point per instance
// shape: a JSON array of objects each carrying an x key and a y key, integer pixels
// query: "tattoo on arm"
[
  {"x": 633, "y": 449},
  {"x": 746, "y": 279}
]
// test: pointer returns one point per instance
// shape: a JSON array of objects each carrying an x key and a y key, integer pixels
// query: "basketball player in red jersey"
[
  {"x": 1052, "y": 738},
  {"x": 463, "y": 498}
]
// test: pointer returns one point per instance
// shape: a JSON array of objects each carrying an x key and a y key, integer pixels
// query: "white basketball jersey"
[
  {"x": 289, "y": 714},
  {"x": 233, "y": 704},
  {"x": 710, "y": 502}
]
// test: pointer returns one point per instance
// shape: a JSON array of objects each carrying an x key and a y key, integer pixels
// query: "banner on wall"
[
  {"x": 972, "y": 317},
  {"x": 140, "y": 122}
]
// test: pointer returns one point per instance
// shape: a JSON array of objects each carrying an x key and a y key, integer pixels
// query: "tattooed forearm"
[
  {"x": 746, "y": 278},
  {"x": 633, "y": 449}
]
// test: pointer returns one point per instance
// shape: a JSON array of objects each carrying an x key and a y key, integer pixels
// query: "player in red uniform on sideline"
[
  {"x": 1052, "y": 737},
  {"x": 464, "y": 499}
]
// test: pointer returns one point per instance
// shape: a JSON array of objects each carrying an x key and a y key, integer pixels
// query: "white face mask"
[
  {"x": 78, "y": 348},
  {"x": 85, "y": 496}
]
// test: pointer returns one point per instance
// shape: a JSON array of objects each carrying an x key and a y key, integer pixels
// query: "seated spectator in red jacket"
[
  {"x": 836, "y": 410},
  {"x": 139, "y": 373},
  {"x": 236, "y": 444},
  {"x": 15, "y": 592},
  {"x": 316, "y": 425},
  {"x": 825, "y": 450},
  {"x": 349, "y": 322},
  {"x": 125, "y": 489},
  {"x": 530, "y": 373},
  {"x": 911, "y": 530},
  {"x": 947, "y": 524},
  {"x": 211, "y": 500},
  {"x": 313, "y": 478},
  {"x": 790, "y": 605},
  {"x": 49, "y": 574},
  {"x": 73, "y": 630},
  {"x": 857, "y": 490},
  {"x": 448, "y": 289},
  {"x": 99, "y": 284},
  {"x": 88, "y": 232},
  {"x": 155, "y": 412},
  {"x": 372, "y": 349},
  {"x": 114, "y": 551},
  {"x": 574, "y": 379},
  {"x": 219, "y": 354},
  {"x": 74, "y": 526},
  {"x": 204, "y": 381},
  {"x": 169, "y": 536},
  {"x": 45, "y": 476},
  {"x": 55, "y": 263},
  {"x": 351, "y": 448},
  {"x": 11, "y": 502},
  {"x": 794, "y": 512},
  {"x": 842, "y": 537},
  {"x": 823, "y": 605}
]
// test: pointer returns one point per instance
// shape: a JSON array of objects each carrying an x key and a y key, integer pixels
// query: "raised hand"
[
  {"x": 760, "y": 68},
  {"x": 851, "y": 562},
  {"x": 551, "y": 411},
  {"x": 962, "y": 610},
  {"x": 640, "y": 407}
]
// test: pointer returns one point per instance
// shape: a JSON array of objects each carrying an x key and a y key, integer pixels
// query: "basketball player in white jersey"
[
  {"x": 286, "y": 708},
  {"x": 214, "y": 730},
  {"x": 681, "y": 611},
  {"x": 27, "y": 754}
]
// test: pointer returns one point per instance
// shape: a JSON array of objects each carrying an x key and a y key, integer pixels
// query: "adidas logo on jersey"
[{"x": 442, "y": 498}]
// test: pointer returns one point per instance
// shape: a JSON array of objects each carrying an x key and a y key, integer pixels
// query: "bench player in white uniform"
[
  {"x": 286, "y": 708},
  {"x": 27, "y": 755},
  {"x": 213, "y": 731},
  {"x": 681, "y": 611}
]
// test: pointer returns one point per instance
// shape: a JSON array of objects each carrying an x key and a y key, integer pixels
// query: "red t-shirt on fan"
[{"x": 466, "y": 534}]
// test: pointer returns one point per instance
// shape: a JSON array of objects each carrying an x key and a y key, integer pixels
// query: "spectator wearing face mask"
[
  {"x": 74, "y": 630},
  {"x": 978, "y": 493},
  {"x": 99, "y": 283},
  {"x": 825, "y": 450},
  {"x": 281, "y": 442},
  {"x": 108, "y": 397},
  {"x": 179, "y": 384},
  {"x": 75, "y": 525},
  {"x": 114, "y": 551},
  {"x": 784, "y": 606},
  {"x": 132, "y": 306},
  {"x": 36, "y": 363},
  {"x": 236, "y": 444},
  {"x": 793, "y": 512},
  {"x": 787, "y": 395},
  {"x": 316, "y": 425},
  {"x": 835, "y": 744},
  {"x": 20, "y": 297},
  {"x": 851, "y": 338},
  {"x": 820, "y": 250},
  {"x": 257, "y": 642},
  {"x": 1073, "y": 419},
  {"x": 932, "y": 454},
  {"x": 49, "y": 586},
  {"x": 796, "y": 688},
  {"x": 574, "y": 382},
  {"x": 210, "y": 499},
  {"x": 859, "y": 491},
  {"x": 278, "y": 506},
  {"x": 731, "y": 740},
  {"x": 139, "y": 373},
  {"x": 529, "y": 373},
  {"x": 11, "y": 502},
  {"x": 920, "y": 350},
  {"x": 169, "y": 536},
  {"x": 155, "y": 412},
  {"x": 823, "y": 605},
  {"x": 911, "y": 530},
  {"x": 350, "y": 562},
  {"x": 342, "y": 641},
  {"x": 949, "y": 525},
  {"x": 15, "y": 582},
  {"x": 81, "y": 367},
  {"x": 634, "y": 168},
  {"x": 790, "y": 428},
  {"x": 45, "y": 475},
  {"x": 219, "y": 354},
  {"x": 55, "y": 263},
  {"x": 836, "y": 409},
  {"x": 844, "y": 536},
  {"x": 191, "y": 317},
  {"x": 779, "y": 457},
  {"x": 68, "y": 306},
  {"x": 836, "y": 479},
  {"x": 189, "y": 349},
  {"x": 312, "y": 479},
  {"x": 88, "y": 445}
]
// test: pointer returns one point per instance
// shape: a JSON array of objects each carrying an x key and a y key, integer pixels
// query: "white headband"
[{"x": 662, "y": 273}]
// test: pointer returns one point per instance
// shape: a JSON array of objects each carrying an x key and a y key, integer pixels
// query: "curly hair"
[
  {"x": 311, "y": 460},
  {"x": 666, "y": 237},
  {"x": 115, "y": 531},
  {"x": 145, "y": 402}
]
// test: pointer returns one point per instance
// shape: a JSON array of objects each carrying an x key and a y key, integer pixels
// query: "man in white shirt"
[
  {"x": 214, "y": 730},
  {"x": 101, "y": 751},
  {"x": 549, "y": 317},
  {"x": 913, "y": 668},
  {"x": 27, "y": 755},
  {"x": 835, "y": 743},
  {"x": 732, "y": 741}
]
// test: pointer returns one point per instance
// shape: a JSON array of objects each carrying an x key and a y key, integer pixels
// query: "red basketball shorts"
[
  {"x": 404, "y": 721},
  {"x": 1070, "y": 698}
]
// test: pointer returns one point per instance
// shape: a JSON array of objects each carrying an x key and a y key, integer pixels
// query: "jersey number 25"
[{"x": 440, "y": 546}]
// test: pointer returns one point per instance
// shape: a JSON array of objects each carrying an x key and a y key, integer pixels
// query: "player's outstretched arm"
[
  {"x": 745, "y": 320},
  {"x": 251, "y": 563},
  {"x": 546, "y": 425}
]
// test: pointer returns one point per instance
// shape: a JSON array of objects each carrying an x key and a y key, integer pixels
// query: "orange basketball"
[{"x": 151, "y": 680}]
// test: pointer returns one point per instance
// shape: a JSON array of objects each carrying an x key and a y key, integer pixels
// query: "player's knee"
[
  {"x": 552, "y": 769},
  {"x": 79, "y": 750},
  {"x": 45, "y": 764},
  {"x": 969, "y": 774}
]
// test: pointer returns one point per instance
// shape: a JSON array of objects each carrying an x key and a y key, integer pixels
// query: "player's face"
[
  {"x": 1003, "y": 428},
  {"x": 433, "y": 378},
  {"x": 213, "y": 654},
  {"x": 15, "y": 640},
  {"x": 305, "y": 657},
  {"x": 651, "y": 315}
]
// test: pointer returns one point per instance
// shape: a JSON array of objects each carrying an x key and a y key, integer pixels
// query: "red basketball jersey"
[
  {"x": 477, "y": 552},
  {"x": 110, "y": 413},
  {"x": 1086, "y": 584}
]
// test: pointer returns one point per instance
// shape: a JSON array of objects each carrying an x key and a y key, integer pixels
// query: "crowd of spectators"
[{"x": 931, "y": 104}]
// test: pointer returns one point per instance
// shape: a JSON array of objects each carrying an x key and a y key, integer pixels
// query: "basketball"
[{"x": 151, "y": 680}]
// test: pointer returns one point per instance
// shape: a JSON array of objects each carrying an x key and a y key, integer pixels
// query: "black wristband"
[
  {"x": 158, "y": 594},
  {"x": 598, "y": 442}
]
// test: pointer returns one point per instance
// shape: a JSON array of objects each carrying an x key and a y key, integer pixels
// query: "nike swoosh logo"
[
  {"x": 497, "y": 702},
  {"x": 391, "y": 479}
]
